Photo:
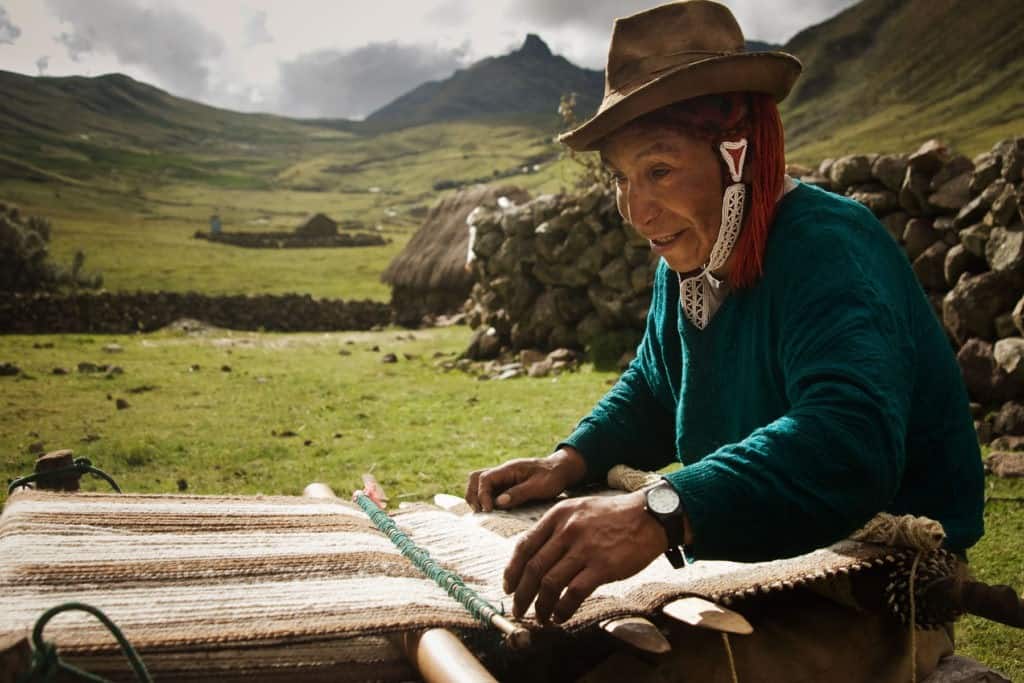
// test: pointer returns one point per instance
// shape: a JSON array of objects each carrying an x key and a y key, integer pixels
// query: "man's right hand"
[{"x": 520, "y": 481}]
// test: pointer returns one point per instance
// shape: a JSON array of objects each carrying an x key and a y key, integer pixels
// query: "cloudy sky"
[{"x": 337, "y": 58}]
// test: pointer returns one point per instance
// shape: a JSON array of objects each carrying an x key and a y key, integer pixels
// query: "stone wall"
[
  {"x": 559, "y": 271},
  {"x": 146, "y": 311},
  {"x": 293, "y": 240},
  {"x": 565, "y": 271}
]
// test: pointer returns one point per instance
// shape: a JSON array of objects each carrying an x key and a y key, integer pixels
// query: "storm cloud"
[
  {"x": 164, "y": 41},
  {"x": 758, "y": 20},
  {"x": 352, "y": 84},
  {"x": 256, "y": 32},
  {"x": 8, "y": 31}
]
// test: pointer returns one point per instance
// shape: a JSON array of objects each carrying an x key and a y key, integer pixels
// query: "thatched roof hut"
[
  {"x": 429, "y": 276},
  {"x": 318, "y": 226}
]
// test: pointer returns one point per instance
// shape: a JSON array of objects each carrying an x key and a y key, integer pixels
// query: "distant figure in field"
[{"x": 215, "y": 224}]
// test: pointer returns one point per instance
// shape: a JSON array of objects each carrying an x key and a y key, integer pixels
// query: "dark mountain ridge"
[{"x": 529, "y": 81}]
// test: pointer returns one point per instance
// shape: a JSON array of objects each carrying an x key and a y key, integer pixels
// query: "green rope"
[
  {"x": 47, "y": 665},
  {"x": 81, "y": 466},
  {"x": 450, "y": 581}
]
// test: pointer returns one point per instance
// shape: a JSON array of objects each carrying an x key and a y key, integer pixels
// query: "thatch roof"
[
  {"x": 435, "y": 257},
  {"x": 318, "y": 226}
]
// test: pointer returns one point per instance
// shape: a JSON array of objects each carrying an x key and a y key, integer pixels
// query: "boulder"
[
  {"x": 957, "y": 166},
  {"x": 971, "y": 212},
  {"x": 850, "y": 170},
  {"x": 1009, "y": 420},
  {"x": 486, "y": 245},
  {"x": 1005, "y": 464},
  {"x": 880, "y": 202},
  {"x": 959, "y": 261},
  {"x": 985, "y": 172},
  {"x": 896, "y": 224},
  {"x": 983, "y": 378},
  {"x": 929, "y": 158},
  {"x": 1013, "y": 164},
  {"x": 1008, "y": 443},
  {"x": 914, "y": 192},
  {"x": 612, "y": 242},
  {"x": 1018, "y": 315},
  {"x": 890, "y": 169},
  {"x": 615, "y": 275},
  {"x": 485, "y": 344},
  {"x": 607, "y": 302},
  {"x": 918, "y": 236},
  {"x": 516, "y": 223},
  {"x": 1009, "y": 356},
  {"x": 983, "y": 428},
  {"x": 541, "y": 368},
  {"x": 1004, "y": 207},
  {"x": 970, "y": 308},
  {"x": 641, "y": 279},
  {"x": 975, "y": 238},
  {"x": 952, "y": 195},
  {"x": 560, "y": 275},
  {"x": 929, "y": 267},
  {"x": 1004, "y": 249},
  {"x": 527, "y": 357},
  {"x": 1005, "y": 327}
]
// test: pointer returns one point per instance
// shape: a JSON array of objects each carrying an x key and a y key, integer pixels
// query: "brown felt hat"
[{"x": 674, "y": 52}]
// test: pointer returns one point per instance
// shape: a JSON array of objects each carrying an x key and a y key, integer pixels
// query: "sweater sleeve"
[
  {"x": 630, "y": 425},
  {"x": 836, "y": 457}
]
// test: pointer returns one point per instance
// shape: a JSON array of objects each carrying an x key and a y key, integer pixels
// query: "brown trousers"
[{"x": 799, "y": 637}]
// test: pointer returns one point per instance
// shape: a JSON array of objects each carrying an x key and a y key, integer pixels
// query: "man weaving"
[{"x": 791, "y": 363}]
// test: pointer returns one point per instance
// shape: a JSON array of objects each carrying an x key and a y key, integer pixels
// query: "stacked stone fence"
[
  {"x": 291, "y": 240},
  {"x": 120, "y": 313},
  {"x": 564, "y": 271}
]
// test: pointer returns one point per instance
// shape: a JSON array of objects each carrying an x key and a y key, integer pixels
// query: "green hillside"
[
  {"x": 886, "y": 75},
  {"x": 128, "y": 173}
]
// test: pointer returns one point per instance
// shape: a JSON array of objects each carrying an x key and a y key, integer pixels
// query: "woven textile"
[{"x": 230, "y": 587}]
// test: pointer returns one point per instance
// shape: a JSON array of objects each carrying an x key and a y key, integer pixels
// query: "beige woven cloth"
[{"x": 232, "y": 587}]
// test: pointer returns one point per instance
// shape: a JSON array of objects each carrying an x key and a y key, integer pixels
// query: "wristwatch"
[{"x": 665, "y": 505}]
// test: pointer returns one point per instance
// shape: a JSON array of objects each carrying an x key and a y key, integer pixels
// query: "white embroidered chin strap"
[{"x": 693, "y": 291}]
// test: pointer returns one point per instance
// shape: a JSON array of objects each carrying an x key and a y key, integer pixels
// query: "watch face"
[{"x": 663, "y": 500}]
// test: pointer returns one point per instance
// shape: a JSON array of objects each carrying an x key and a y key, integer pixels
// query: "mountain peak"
[{"x": 533, "y": 46}]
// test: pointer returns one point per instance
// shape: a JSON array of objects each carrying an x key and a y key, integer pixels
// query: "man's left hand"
[{"x": 578, "y": 545}]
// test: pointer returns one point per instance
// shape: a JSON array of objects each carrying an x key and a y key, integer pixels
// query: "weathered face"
[{"x": 669, "y": 188}]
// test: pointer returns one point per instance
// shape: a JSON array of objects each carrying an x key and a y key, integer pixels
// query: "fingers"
[
  {"x": 578, "y": 590},
  {"x": 553, "y": 583},
  {"x": 534, "y": 571},
  {"x": 488, "y": 483},
  {"x": 518, "y": 494},
  {"x": 471, "y": 490}
]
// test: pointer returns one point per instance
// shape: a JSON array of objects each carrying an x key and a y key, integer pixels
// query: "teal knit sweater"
[{"x": 826, "y": 393}]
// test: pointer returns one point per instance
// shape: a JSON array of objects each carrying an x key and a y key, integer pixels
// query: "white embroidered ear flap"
[
  {"x": 693, "y": 296},
  {"x": 735, "y": 155}
]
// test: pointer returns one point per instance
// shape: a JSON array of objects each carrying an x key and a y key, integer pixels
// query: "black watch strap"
[{"x": 673, "y": 524}]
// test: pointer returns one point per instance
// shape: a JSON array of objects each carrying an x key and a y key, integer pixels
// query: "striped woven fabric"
[{"x": 274, "y": 587}]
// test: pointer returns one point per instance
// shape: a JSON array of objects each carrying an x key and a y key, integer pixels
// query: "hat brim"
[{"x": 773, "y": 73}]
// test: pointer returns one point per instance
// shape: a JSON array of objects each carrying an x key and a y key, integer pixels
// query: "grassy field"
[
  {"x": 136, "y": 225},
  {"x": 298, "y": 408}
]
